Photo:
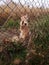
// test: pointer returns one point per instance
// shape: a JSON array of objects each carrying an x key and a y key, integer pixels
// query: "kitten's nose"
[{"x": 25, "y": 24}]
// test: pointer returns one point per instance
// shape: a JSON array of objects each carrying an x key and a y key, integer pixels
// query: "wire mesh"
[
  {"x": 38, "y": 18},
  {"x": 15, "y": 8}
]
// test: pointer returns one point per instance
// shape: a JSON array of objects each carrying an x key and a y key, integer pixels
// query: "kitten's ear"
[
  {"x": 21, "y": 18},
  {"x": 26, "y": 16}
]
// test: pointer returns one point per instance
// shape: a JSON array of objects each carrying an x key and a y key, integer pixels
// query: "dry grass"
[
  {"x": 33, "y": 13},
  {"x": 11, "y": 53}
]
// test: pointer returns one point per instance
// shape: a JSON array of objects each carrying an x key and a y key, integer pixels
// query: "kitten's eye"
[{"x": 22, "y": 22}]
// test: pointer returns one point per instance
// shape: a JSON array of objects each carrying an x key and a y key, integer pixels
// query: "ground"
[{"x": 12, "y": 53}]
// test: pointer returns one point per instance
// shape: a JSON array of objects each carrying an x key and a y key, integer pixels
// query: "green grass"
[
  {"x": 11, "y": 52},
  {"x": 40, "y": 28},
  {"x": 40, "y": 36},
  {"x": 12, "y": 24}
]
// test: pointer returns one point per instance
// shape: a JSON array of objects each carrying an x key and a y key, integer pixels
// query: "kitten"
[{"x": 24, "y": 28}]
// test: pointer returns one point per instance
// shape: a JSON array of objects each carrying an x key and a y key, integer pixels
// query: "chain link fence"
[
  {"x": 15, "y": 8},
  {"x": 38, "y": 18}
]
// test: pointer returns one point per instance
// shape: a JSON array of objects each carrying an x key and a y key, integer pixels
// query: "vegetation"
[
  {"x": 12, "y": 53},
  {"x": 12, "y": 24}
]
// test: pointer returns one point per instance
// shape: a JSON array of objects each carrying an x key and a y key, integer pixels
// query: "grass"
[
  {"x": 11, "y": 52},
  {"x": 39, "y": 28},
  {"x": 12, "y": 24}
]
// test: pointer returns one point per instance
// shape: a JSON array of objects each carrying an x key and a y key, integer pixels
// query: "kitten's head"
[{"x": 24, "y": 20}]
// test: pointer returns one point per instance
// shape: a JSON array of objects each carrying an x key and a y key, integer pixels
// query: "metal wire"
[{"x": 31, "y": 7}]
